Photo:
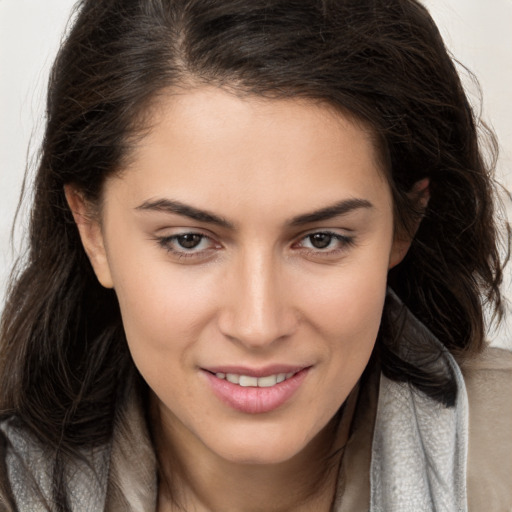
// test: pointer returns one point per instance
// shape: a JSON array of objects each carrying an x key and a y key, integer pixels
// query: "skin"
[{"x": 254, "y": 292}]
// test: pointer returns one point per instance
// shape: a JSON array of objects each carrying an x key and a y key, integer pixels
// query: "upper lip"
[{"x": 263, "y": 371}]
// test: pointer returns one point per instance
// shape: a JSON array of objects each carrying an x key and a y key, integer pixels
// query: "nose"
[{"x": 257, "y": 308}]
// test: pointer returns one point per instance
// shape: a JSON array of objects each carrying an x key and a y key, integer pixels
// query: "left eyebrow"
[{"x": 335, "y": 210}]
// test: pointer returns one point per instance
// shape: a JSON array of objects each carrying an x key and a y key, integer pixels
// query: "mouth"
[{"x": 261, "y": 392}]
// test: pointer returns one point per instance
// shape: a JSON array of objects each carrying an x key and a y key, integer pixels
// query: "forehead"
[{"x": 211, "y": 145}]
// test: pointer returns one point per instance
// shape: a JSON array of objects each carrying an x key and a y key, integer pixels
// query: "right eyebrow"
[{"x": 185, "y": 210}]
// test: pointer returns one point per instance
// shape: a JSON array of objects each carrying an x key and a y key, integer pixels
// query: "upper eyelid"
[
  {"x": 332, "y": 230},
  {"x": 184, "y": 233},
  {"x": 333, "y": 234},
  {"x": 347, "y": 233},
  {"x": 298, "y": 236},
  {"x": 183, "y": 230}
]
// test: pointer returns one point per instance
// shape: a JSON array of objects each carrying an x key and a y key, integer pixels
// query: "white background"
[{"x": 478, "y": 32}]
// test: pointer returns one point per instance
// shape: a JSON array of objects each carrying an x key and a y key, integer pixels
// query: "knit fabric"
[{"x": 419, "y": 448}]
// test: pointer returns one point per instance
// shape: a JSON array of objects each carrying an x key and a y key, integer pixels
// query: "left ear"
[
  {"x": 90, "y": 233},
  {"x": 420, "y": 195}
]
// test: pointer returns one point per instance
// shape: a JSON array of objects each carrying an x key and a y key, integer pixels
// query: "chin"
[
  {"x": 259, "y": 456},
  {"x": 260, "y": 447}
]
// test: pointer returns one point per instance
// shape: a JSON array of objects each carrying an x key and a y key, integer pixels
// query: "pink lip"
[{"x": 254, "y": 400}]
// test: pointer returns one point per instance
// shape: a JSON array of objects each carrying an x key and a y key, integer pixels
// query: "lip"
[{"x": 255, "y": 400}]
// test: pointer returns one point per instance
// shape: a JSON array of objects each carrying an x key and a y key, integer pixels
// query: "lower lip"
[{"x": 253, "y": 400}]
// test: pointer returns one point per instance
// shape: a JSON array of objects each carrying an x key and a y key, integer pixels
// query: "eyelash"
[{"x": 168, "y": 241}]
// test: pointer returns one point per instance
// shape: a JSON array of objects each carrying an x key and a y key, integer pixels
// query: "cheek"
[
  {"x": 349, "y": 304},
  {"x": 346, "y": 312},
  {"x": 163, "y": 317},
  {"x": 163, "y": 309},
  {"x": 343, "y": 318}
]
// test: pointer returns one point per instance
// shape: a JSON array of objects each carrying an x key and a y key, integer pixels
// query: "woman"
[{"x": 261, "y": 239}]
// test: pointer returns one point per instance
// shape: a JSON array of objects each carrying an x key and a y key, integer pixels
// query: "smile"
[
  {"x": 255, "y": 394},
  {"x": 260, "y": 382}
]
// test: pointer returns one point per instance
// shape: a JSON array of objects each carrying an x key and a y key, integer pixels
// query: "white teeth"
[
  {"x": 267, "y": 382},
  {"x": 233, "y": 378},
  {"x": 246, "y": 381},
  {"x": 261, "y": 382}
]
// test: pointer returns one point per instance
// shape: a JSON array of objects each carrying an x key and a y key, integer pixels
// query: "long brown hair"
[{"x": 63, "y": 353}]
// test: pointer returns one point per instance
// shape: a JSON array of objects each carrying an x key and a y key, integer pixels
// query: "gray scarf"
[{"x": 419, "y": 447}]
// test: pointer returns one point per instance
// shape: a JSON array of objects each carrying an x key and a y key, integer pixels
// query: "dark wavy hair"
[{"x": 64, "y": 358}]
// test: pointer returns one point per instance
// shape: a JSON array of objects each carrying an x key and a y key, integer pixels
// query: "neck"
[{"x": 194, "y": 478}]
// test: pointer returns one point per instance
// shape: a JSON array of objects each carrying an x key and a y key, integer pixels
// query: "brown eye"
[
  {"x": 326, "y": 243},
  {"x": 189, "y": 240},
  {"x": 320, "y": 240},
  {"x": 188, "y": 244}
]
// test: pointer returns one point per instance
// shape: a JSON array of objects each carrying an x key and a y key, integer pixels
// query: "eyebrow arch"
[
  {"x": 178, "y": 208},
  {"x": 340, "y": 208}
]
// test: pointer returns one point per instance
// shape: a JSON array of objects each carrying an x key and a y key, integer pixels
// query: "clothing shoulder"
[
  {"x": 7, "y": 501},
  {"x": 488, "y": 380},
  {"x": 27, "y": 469}
]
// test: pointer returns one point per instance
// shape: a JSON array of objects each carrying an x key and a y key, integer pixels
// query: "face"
[{"x": 248, "y": 243}]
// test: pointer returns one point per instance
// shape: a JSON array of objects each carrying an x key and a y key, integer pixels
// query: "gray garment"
[
  {"x": 30, "y": 473},
  {"x": 419, "y": 450},
  {"x": 418, "y": 460}
]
